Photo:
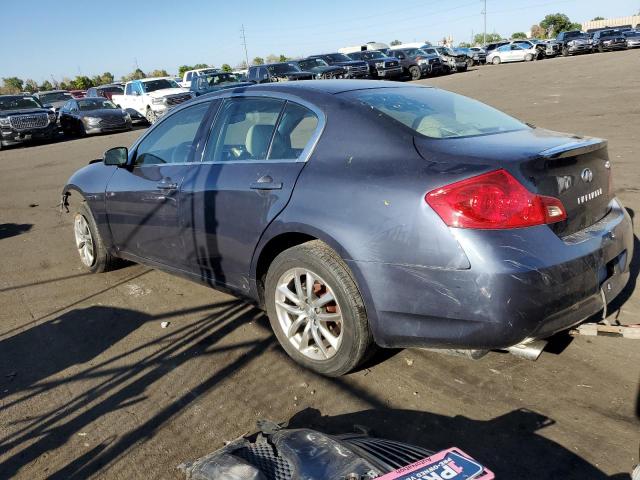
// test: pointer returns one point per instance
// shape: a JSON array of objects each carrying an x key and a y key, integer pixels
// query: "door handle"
[
  {"x": 266, "y": 183},
  {"x": 167, "y": 186}
]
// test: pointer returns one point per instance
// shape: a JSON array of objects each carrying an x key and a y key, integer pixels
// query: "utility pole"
[
  {"x": 484, "y": 34},
  {"x": 244, "y": 43}
]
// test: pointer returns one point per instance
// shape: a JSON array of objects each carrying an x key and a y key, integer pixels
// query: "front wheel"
[
  {"x": 415, "y": 72},
  {"x": 151, "y": 116},
  {"x": 94, "y": 255},
  {"x": 316, "y": 310},
  {"x": 469, "y": 62},
  {"x": 496, "y": 60},
  {"x": 528, "y": 57},
  {"x": 565, "y": 52}
]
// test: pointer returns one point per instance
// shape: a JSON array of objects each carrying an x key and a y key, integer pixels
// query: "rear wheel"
[
  {"x": 415, "y": 72},
  {"x": 469, "y": 62},
  {"x": 565, "y": 52},
  {"x": 496, "y": 60},
  {"x": 528, "y": 57},
  {"x": 600, "y": 49},
  {"x": 94, "y": 255},
  {"x": 151, "y": 116},
  {"x": 316, "y": 310}
]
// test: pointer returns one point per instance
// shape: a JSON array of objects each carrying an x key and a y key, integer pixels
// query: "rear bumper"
[{"x": 522, "y": 285}]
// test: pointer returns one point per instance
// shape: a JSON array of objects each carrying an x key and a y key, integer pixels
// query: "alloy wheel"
[
  {"x": 84, "y": 241},
  {"x": 309, "y": 314}
]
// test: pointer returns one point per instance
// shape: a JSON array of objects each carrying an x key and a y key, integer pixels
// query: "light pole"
[{"x": 484, "y": 34}]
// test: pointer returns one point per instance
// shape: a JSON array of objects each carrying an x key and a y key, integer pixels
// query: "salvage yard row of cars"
[{"x": 117, "y": 106}]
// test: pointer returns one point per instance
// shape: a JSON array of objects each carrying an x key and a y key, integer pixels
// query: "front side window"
[
  {"x": 436, "y": 113},
  {"x": 172, "y": 140},
  {"x": 244, "y": 129},
  {"x": 295, "y": 129}
]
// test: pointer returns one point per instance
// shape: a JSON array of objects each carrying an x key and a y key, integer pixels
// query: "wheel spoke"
[
  {"x": 289, "y": 308},
  {"x": 298, "y": 284},
  {"x": 318, "y": 339},
  {"x": 304, "y": 342},
  {"x": 309, "y": 281},
  {"x": 331, "y": 338},
  {"x": 323, "y": 300},
  {"x": 295, "y": 325},
  {"x": 283, "y": 289},
  {"x": 329, "y": 317}
]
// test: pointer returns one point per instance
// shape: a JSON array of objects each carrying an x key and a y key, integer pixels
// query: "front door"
[
  {"x": 255, "y": 152},
  {"x": 143, "y": 201}
]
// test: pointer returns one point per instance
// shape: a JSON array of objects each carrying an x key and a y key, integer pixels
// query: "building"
[{"x": 632, "y": 21}]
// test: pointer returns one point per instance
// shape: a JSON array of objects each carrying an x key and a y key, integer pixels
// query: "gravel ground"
[{"x": 91, "y": 385}]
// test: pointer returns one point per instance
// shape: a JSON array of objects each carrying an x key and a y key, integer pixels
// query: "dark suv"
[
  {"x": 573, "y": 42},
  {"x": 277, "y": 72},
  {"x": 23, "y": 118},
  {"x": 416, "y": 63},
  {"x": 355, "y": 68},
  {"x": 321, "y": 69},
  {"x": 609, "y": 40},
  {"x": 380, "y": 65}
]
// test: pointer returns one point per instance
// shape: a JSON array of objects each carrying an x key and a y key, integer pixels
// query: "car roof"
[
  {"x": 331, "y": 87},
  {"x": 53, "y": 91}
]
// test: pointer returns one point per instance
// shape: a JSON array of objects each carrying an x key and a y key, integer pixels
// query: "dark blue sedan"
[{"x": 359, "y": 213}]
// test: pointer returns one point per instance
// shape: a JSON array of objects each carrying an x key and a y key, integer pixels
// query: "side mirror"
[{"x": 116, "y": 156}]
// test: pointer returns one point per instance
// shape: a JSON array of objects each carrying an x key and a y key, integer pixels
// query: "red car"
[{"x": 78, "y": 93}]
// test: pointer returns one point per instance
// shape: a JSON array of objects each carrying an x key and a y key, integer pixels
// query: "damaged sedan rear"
[{"x": 360, "y": 213}]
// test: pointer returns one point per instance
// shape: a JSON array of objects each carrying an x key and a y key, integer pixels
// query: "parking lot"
[{"x": 91, "y": 384}]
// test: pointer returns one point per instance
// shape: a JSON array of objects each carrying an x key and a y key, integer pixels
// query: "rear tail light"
[{"x": 494, "y": 200}]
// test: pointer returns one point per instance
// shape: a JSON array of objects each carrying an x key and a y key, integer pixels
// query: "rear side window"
[
  {"x": 244, "y": 129},
  {"x": 436, "y": 113},
  {"x": 294, "y": 132},
  {"x": 172, "y": 141}
]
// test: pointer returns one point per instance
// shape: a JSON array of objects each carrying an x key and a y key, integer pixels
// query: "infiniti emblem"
[{"x": 587, "y": 175}]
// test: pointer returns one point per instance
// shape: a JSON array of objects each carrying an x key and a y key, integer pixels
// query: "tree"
[
  {"x": 283, "y": 58},
  {"x": 518, "y": 35},
  {"x": 30, "y": 86},
  {"x": 201, "y": 65},
  {"x": 538, "y": 32},
  {"x": 159, "y": 73},
  {"x": 595, "y": 19},
  {"x": 12, "y": 84},
  {"x": 183, "y": 68},
  {"x": 272, "y": 58},
  {"x": 46, "y": 85},
  {"x": 393, "y": 43},
  {"x": 491, "y": 38},
  {"x": 137, "y": 74},
  {"x": 258, "y": 61},
  {"x": 558, "y": 22},
  {"x": 106, "y": 77},
  {"x": 82, "y": 82},
  {"x": 226, "y": 68}
]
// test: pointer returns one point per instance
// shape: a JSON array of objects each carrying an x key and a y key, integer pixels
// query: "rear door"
[
  {"x": 143, "y": 202},
  {"x": 256, "y": 150}
]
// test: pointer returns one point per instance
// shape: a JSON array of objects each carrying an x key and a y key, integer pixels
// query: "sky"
[{"x": 69, "y": 37}]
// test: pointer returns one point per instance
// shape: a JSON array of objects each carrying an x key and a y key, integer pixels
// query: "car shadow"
[
  {"x": 13, "y": 229},
  {"x": 509, "y": 445}
]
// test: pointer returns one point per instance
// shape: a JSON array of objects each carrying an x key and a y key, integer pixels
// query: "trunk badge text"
[
  {"x": 587, "y": 175},
  {"x": 589, "y": 196}
]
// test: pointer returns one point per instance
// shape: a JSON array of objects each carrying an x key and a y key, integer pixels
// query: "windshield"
[
  {"x": 632, "y": 34},
  {"x": 338, "y": 57},
  {"x": 312, "y": 63},
  {"x": 18, "y": 102},
  {"x": 86, "y": 105},
  {"x": 373, "y": 55},
  {"x": 55, "y": 97},
  {"x": 575, "y": 35},
  {"x": 436, "y": 113},
  {"x": 161, "y": 83},
  {"x": 114, "y": 89},
  {"x": 219, "y": 79},
  {"x": 413, "y": 52},
  {"x": 608, "y": 33},
  {"x": 279, "y": 68}
]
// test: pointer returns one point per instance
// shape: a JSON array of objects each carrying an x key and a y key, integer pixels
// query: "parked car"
[
  {"x": 482, "y": 54},
  {"x": 539, "y": 48},
  {"x": 361, "y": 212},
  {"x": 512, "y": 52},
  {"x": 454, "y": 62},
  {"x": 633, "y": 38},
  {"x": 321, "y": 69},
  {"x": 492, "y": 46},
  {"x": 151, "y": 97},
  {"x": 573, "y": 42},
  {"x": 215, "y": 81},
  {"x": 78, "y": 93},
  {"x": 277, "y": 72},
  {"x": 355, "y": 68},
  {"x": 189, "y": 75},
  {"x": 372, "y": 46},
  {"x": 474, "y": 56},
  {"x": 416, "y": 63},
  {"x": 87, "y": 116},
  {"x": 551, "y": 47},
  {"x": 610, "y": 39},
  {"x": 24, "y": 118},
  {"x": 105, "y": 91},
  {"x": 380, "y": 65},
  {"x": 53, "y": 99}
]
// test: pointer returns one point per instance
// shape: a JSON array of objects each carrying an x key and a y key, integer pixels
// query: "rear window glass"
[{"x": 436, "y": 113}]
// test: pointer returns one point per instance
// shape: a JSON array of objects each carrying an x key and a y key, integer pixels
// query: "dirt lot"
[{"x": 91, "y": 385}]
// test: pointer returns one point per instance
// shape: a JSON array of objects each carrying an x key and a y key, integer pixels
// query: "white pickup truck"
[
  {"x": 192, "y": 74},
  {"x": 151, "y": 97}
]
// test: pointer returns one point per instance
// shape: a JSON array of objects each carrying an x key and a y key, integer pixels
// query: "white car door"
[{"x": 516, "y": 53}]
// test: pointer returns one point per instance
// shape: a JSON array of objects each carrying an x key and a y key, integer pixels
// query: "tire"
[
  {"x": 351, "y": 337},
  {"x": 415, "y": 72},
  {"x": 528, "y": 57},
  {"x": 469, "y": 62},
  {"x": 565, "y": 52},
  {"x": 600, "y": 49},
  {"x": 151, "y": 116},
  {"x": 83, "y": 224},
  {"x": 496, "y": 60}
]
